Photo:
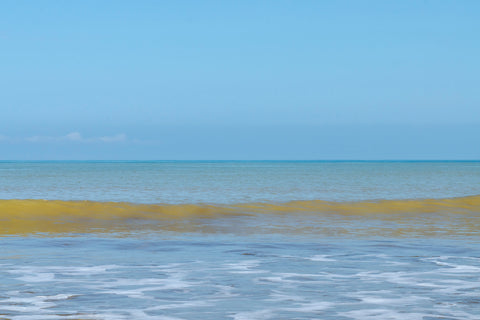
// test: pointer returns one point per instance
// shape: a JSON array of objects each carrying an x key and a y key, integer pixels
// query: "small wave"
[{"x": 55, "y": 216}]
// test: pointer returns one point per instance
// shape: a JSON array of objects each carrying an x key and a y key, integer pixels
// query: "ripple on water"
[{"x": 345, "y": 280}]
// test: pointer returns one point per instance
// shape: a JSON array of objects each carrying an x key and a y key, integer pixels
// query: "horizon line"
[{"x": 240, "y": 160}]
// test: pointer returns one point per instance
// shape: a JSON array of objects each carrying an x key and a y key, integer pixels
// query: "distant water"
[
  {"x": 240, "y": 240},
  {"x": 237, "y": 182}
]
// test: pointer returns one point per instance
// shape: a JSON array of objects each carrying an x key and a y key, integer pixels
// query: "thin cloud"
[
  {"x": 72, "y": 137},
  {"x": 39, "y": 139},
  {"x": 116, "y": 138}
]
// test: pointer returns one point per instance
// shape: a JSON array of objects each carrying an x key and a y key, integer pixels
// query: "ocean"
[{"x": 240, "y": 240}]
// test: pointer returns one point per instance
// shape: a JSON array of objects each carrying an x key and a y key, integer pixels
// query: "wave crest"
[{"x": 55, "y": 216}]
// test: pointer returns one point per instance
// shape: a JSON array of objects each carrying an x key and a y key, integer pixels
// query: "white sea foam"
[
  {"x": 391, "y": 301},
  {"x": 244, "y": 267},
  {"x": 310, "y": 307},
  {"x": 31, "y": 304},
  {"x": 217, "y": 284},
  {"x": 182, "y": 304},
  {"x": 38, "y": 277},
  {"x": 322, "y": 258},
  {"x": 254, "y": 315},
  {"x": 301, "y": 277},
  {"x": 86, "y": 271},
  {"x": 382, "y": 314}
]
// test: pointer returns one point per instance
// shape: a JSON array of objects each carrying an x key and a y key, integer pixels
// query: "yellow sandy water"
[{"x": 20, "y": 217}]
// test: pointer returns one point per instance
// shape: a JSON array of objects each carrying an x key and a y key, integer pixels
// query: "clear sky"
[{"x": 239, "y": 79}]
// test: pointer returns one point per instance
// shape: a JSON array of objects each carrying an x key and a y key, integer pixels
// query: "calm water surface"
[{"x": 237, "y": 182}]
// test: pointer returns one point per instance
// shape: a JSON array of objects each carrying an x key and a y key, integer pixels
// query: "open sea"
[{"x": 173, "y": 240}]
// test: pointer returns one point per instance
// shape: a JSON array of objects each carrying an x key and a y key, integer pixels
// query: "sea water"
[{"x": 240, "y": 240}]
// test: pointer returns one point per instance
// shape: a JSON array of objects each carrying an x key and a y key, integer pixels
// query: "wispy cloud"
[
  {"x": 72, "y": 136},
  {"x": 116, "y": 138}
]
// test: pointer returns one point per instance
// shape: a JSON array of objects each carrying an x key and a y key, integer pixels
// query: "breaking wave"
[{"x": 55, "y": 216}]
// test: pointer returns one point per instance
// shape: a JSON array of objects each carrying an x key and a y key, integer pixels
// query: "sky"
[{"x": 246, "y": 80}]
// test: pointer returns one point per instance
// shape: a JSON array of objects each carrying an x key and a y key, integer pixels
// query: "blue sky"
[{"x": 239, "y": 80}]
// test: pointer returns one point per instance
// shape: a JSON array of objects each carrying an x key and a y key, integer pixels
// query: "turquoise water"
[
  {"x": 254, "y": 254},
  {"x": 237, "y": 182}
]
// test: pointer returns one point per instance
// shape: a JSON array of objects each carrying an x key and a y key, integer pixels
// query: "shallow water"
[
  {"x": 238, "y": 278},
  {"x": 246, "y": 240}
]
